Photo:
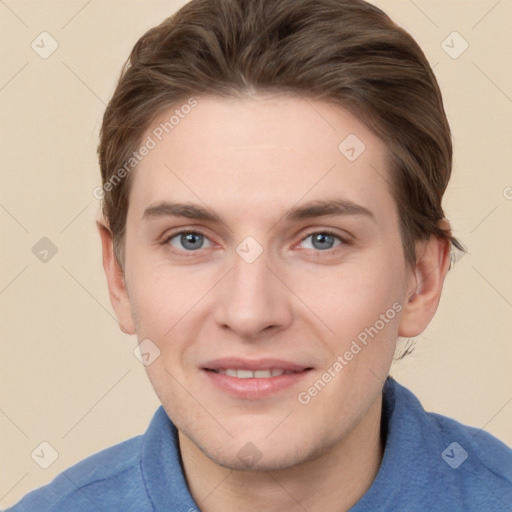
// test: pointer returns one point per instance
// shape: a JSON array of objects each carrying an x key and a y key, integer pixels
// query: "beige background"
[{"x": 68, "y": 375}]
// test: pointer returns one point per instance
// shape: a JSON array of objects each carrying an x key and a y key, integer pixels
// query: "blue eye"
[
  {"x": 189, "y": 240},
  {"x": 323, "y": 240}
]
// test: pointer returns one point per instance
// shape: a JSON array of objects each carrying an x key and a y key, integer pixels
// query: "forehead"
[{"x": 258, "y": 152}]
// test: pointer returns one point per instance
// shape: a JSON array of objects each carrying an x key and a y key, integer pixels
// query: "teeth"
[
  {"x": 263, "y": 374},
  {"x": 249, "y": 374}
]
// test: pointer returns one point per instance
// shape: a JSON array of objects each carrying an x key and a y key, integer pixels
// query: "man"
[{"x": 272, "y": 181}]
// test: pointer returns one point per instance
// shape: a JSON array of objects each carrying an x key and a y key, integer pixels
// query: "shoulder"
[
  {"x": 482, "y": 450},
  {"x": 112, "y": 475},
  {"x": 465, "y": 465}
]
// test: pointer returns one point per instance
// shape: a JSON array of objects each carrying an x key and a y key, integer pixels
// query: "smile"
[{"x": 249, "y": 374}]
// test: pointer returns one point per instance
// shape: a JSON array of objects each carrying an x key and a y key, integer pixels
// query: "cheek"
[
  {"x": 354, "y": 296},
  {"x": 156, "y": 299},
  {"x": 161, "y": 305},
  {"x": 362, "y": 309},
  {"x": 169, "y": 304},
  {"x": 158, "y": 292}
]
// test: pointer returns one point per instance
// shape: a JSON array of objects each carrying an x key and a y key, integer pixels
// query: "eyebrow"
[{"x": 318, "y": 208}]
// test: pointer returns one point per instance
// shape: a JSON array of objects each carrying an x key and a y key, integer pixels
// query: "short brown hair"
[{"x": 348, "y": 52}]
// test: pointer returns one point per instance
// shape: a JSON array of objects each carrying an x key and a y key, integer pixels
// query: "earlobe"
[
  {"x": 115, "y": 280},
  {"x": 425, "y": 286}
]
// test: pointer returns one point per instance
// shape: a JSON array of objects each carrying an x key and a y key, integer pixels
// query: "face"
[{"x": 275, "y": 298}]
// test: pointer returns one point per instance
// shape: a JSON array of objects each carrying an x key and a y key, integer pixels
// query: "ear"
[
  {"x": 425, "y": 284},
  {"x": 116, "y": 281}
]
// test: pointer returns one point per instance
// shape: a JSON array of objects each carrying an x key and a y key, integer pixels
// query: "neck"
[{"x": 333, "y": 481}]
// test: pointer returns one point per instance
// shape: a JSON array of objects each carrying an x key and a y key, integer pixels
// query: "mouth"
[
  {"x": 250, "y": 374},
  {"x": 251, "y": 379}
]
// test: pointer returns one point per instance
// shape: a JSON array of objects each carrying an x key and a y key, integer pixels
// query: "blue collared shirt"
[{"x": 430, "y": 463}]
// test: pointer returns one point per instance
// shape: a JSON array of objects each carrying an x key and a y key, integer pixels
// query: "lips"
[
  {"x": 254, "y": 379},
  {"x": 254, "y": 365},
  {"x": 250, "y": 374}
]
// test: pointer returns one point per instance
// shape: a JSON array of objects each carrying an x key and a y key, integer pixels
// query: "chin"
[
  {"x": 259, "y": 455},
  {"x": 257, "y": 462}
]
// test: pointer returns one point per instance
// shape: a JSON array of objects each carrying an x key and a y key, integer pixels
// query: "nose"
[{"x": 253, "y": 299}]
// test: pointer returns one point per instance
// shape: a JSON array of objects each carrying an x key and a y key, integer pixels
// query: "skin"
[{"x": 250, "y": 160}]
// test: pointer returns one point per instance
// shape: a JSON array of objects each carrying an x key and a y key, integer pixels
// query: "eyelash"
[{"x": 182, "y": 253}]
